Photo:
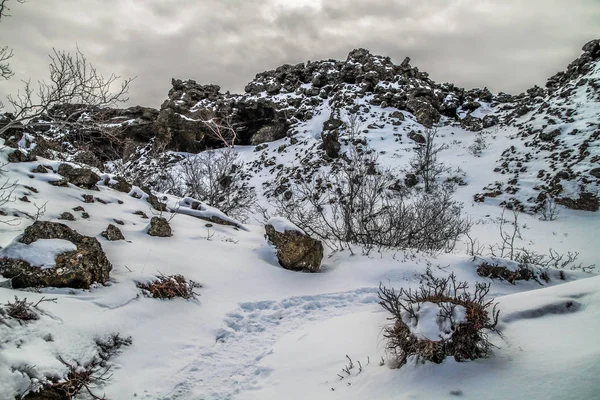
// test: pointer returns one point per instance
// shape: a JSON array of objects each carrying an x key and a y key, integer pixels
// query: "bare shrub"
[
  {"x": 426, "y": 161},
  {"x": 216, "y": 178},
  {"x": 549, "y": 210},
  {"x": 464, "y": 338},
  {"x": 80, "y": 377},
  {"x": 23, "y": 310},
  {"x": 169, "y": 287},
  {"x": 510, "y": 235},
  {"x": 495, "y": 271},
  {"x": 359, "y": 203},
  {"x": 479, "y": 144}
]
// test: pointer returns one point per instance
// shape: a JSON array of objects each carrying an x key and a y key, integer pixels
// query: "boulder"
[
  {"x": 470, "y": 123},
  {"x": 417, "y": 137},
  {"x": 411, "y": 180},
  {"x": 331, "y": 143},
  {"x": 595, "y": 172},
  {"x": 113, "y": 233},
  {"x": 296, "y": 250},
  {"x": 119, "y": 184},
  {"x": 78, "y": 267},
  {"x": 424, "y": 111},
  {"x": 549, "y": 136},
  {"x": 490, "y": 120},
  {"x": 160, "y": 227},
  {"x": 83, "y": 177},
  {"x": 18, "y": 156}
]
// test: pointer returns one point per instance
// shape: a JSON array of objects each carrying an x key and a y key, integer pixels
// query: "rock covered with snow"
[
  {"x": 295, "y": 249},
  {"x": 198, "y": 209},
  {"x": 52, "y": 254}
]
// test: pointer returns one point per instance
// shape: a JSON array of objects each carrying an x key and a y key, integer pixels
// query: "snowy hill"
[{"x": 258, "y": 330}]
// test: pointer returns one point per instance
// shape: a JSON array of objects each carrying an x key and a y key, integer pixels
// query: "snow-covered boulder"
[
  {"x": 295, "y": 249},
  {"x": 52, "y": 254}
]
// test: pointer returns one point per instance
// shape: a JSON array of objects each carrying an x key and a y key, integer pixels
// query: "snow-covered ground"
[{"x": 258, "y": 331}]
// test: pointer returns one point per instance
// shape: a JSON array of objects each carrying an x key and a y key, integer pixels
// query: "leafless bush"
[
  {"x": 426, "y": 161},
  {"x": 22, "y": 310},
  {"x": 216, "y": 178},
  {"x": 169, "y": 287},
  {"x": 353, "y": 126},
  {"x": 527, "y": 258},
  {"x": 80, "y": 377},
  {"x": 465, "y": 338},
  {"x": 549, "y": 210},
  {"x": 508, "y": 236},
  {"x": 7, "y": 189},
  {"x": 359, "y": 203},
  {"x": 479, "y": 144}
]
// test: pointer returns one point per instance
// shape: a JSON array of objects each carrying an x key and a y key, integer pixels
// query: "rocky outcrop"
[
  {"x": 160, "y": 227},
  {"x": 295, "y": 250},
  {"x": 78, "y": 268},
  {"x": 577, "y": 68},
  {"x": 83, "y": 177}
]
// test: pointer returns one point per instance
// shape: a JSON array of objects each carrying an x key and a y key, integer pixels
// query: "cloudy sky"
[{"x": 507, "y": 45}]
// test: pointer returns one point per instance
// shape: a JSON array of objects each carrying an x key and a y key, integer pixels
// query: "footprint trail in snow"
[{"x": 231, "y": 365}]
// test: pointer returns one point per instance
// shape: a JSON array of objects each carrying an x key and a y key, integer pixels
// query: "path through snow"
[{"x": 231, "y": 365}]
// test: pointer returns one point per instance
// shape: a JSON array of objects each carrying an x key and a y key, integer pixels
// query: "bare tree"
[
  {"x": 74, "y": 81},
  {"x": 220, "y": 128},
  {"x": 426, "y": 162},
  {"x": 6, "y": 52}
]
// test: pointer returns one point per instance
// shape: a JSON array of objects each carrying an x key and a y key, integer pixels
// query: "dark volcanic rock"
[
  {"x": 113, "y": 233},
  {"x": 75, "y": 269},
  {"x": 82, "y": 177},
  {"x": 471, "y": 123},
  {"x": 295, "y": 250},
  {"x": 160, "y": 227}
]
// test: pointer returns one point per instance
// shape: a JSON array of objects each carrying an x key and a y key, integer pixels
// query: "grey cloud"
[{"x": 507, "y": 46}]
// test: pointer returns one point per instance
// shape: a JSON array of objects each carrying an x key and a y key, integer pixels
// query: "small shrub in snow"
[
  {"x": 171, "y": 286},
  {"x": 426, "y": 162},
  {"x": 23, "y": 310},
  {"x": 80, "y": 378},
  {"x": 479, "y": 145},
  {"x": 549, "y": 210},
  {"x": 495, "y": 271},
  {"x": 441, "y": 318}
]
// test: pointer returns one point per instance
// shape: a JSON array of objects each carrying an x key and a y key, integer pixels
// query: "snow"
[
  {"x": 258, "y": 331},
  {"x": 41, "y": 253},
  {"x": 282, "y": 225},
  {"x": 432, "y": 323}
]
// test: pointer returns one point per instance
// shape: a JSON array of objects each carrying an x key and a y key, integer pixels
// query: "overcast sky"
[{"x": 507, "y": 45}]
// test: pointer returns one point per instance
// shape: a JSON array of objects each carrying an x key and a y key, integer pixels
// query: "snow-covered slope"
[{"x": 258, "y": 331}]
